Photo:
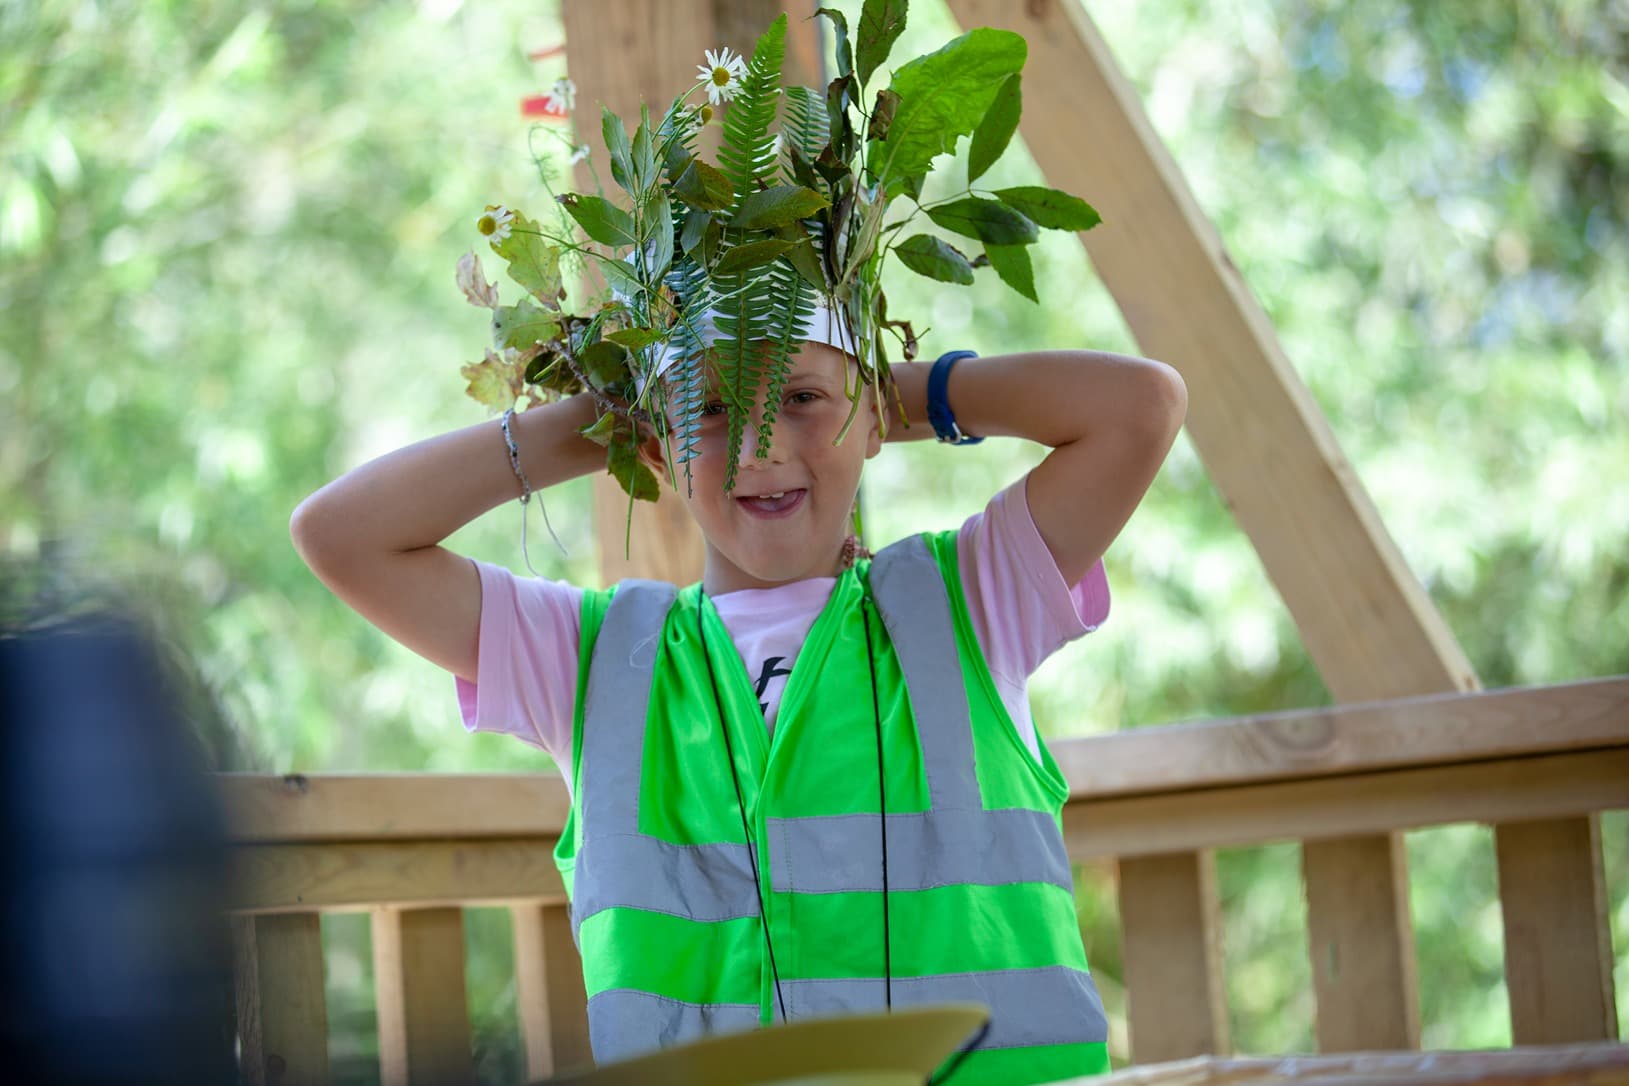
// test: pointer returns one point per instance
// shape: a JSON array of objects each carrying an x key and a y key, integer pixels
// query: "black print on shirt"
[{"x": 770, "y": 671}]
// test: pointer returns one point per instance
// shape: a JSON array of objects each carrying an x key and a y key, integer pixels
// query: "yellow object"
[{"x": 898, "y": 1049}]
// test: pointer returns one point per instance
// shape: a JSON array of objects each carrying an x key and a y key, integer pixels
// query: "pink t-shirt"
[{"x": 1022, "y": 612}]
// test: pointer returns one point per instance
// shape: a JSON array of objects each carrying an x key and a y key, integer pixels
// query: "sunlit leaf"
[
  {"x": 495, "y": 382},
  {"x": 995, "y": 131},
  {"x": 1050, "y": 208},
  {"x": 472, "y": 281}
]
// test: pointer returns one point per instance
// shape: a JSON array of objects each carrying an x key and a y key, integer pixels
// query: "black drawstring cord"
[
  {"x": 741, "y": 805},
  {"x": 962, "y": 1053},
  {"x": 882, "y": 807}
]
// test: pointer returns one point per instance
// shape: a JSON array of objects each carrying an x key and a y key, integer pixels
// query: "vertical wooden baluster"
[
  {"x": 549, "y": 984},
  {"x": 418, "y": 970},
  {"x": 282, "y": 1011},
  {"x": 1558, "y": 946},
  {"x": 1362, "y": 940},
  {"x": 1173, "y": 958}
]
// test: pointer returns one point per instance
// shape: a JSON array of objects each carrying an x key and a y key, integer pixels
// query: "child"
[{"x": 810, "y": 783}]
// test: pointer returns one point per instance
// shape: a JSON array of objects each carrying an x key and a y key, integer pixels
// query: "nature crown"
[{"x": 730, "y": 267}]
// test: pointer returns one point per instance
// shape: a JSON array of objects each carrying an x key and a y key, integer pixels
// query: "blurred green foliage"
[{"x": 227, "y": 240}]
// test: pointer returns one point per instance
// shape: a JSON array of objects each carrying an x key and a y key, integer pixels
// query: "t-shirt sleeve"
[
  {"x": 1021, "y": 608},
  {"x": 526, "y": 661}
]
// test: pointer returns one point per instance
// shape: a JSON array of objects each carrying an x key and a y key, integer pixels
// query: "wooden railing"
[{"x": 1539, "y": 764}]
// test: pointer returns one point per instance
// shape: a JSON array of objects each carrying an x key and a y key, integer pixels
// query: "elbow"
[
  {"x": 1161, "y": 405},
  {"x": 308, "y": 531}
]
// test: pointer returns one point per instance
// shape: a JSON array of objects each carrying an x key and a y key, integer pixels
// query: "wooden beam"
[
  {"x": 1302, "y": 745},
  {"x": 282, "y": 1008},
  {"x": 392, "y": 806},
  {"x": 418, "y": 983},
  {"x": 1362, "y": 941},
  {"x": 1558, "y": 945},
  {"x": 1173, "y": 956},
  {"x": 619, "y": 54},
  {"x": 1550, "y": 786},
  {"x": 1358, "y": 738},
  {"x": 302, "y": 877},
  {"x": 553, "y": 1002},
  {"x": 1372, "y": 630}
]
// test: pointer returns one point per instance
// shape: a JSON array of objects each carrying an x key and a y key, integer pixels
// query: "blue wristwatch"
[{"x": 939, "y": 413}]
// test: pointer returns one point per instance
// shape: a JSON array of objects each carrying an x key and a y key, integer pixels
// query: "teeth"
[{"x": 777, "y": 494}]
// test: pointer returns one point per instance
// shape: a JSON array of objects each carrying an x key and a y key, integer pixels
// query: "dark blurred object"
[{"x": 114, "y": 954}]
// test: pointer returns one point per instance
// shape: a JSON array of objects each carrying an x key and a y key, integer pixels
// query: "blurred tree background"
[{"x": 227, "y": 237}]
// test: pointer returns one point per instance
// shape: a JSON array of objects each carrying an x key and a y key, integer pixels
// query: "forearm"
[
  {"x": 1051, "y": 397},
  {"x": 418, "y": 495}
]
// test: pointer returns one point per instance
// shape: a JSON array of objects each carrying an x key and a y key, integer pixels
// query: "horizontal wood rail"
[{"x": 1539, "y": 763}]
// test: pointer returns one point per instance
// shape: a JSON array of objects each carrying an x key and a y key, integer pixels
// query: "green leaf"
[
  {"x": 534, "y": 263},
  {"x": 936, "y": 259},
  {"x": 635, "y": 476},
  {"x": 750, "y": 255},
  {"x": 601, "y": 430},
  {"x": 1050, "y": 208},
  {"x": 616, "y": 142},
  {"x": 991, "y": 221},
  {"x": 634, "y": 338},
  {"x": 993, "y": 134},
  {"x": 523, "y": 325},
  {"x": 620, "y": 275},
  {"x": 777, "y": 206},
  {"x": 881, "y": 22},
  {"x": 745, "y": 153},
  {"x": 644, "y": 152},
  {"x": 803, "y": 257},
  {"x": 695, "y": 225},
  {"x": 882, "y": 115},
  {"x": 943, "y": 96},
  {"x": 845, "y": 52},
  {"x": 600, "y": 219},
  {"x": 605, "y": 364},
  {"x": 704, "y": 187},
  {"x": 1012, "y": 264},
  {"x": 660, "y": 224}
]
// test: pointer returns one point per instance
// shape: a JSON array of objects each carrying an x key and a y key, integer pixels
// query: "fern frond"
[
  {"x": 747, "y": 155},
  {"x": 807, "y": 125}
]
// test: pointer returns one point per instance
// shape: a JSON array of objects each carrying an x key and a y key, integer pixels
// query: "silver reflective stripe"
[
  {"x": 614, "y": 708},
  {"x": 1051, "y": 1006},
  {"x": 698, "y": 882},
  {"x": 833, "y": 854},
  {"x": 623, "y": 1023},
  {"x": 915, "y": 607}
]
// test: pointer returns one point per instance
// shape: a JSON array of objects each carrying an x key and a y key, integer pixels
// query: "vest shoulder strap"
[{"x": 616, "y": 701}]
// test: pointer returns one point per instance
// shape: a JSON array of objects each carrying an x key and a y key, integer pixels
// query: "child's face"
[{"x": 756, "y": 542}]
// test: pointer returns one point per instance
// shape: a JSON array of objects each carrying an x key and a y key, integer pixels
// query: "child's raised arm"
[
  {"x": 1109, "y": 420},
  {"x": 372, "y": 535}
]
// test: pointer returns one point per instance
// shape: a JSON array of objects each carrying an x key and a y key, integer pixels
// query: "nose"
[{"x": 750, "y": 443}]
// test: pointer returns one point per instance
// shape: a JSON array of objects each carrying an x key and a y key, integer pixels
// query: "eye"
[
  {"x": 712, "y": 408},
  {"x": 803, "y": 397}
]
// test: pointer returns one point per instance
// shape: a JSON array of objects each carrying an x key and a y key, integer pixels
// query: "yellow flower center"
[
  {"x": 487, "y": 225},
  {"x": 721, "y": 76}
]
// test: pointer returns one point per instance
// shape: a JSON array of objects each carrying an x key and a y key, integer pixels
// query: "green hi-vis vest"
[{"x": 979, "y": 896}]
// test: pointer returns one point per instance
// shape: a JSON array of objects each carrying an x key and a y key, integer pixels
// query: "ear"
[{"x": 873, "y": 436}]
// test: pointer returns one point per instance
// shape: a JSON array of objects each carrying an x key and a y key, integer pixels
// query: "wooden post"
[
  {"x": 1173, "y": 956},
  {"x": 619, "y": 54},
  {"x": 549, "y": 988},
  {"x": 282, "y": 1010},
  {"x": 418, "y": 980},
  {"x": 1558, "y": 946},
  {"x": 1365, "y": 620}
]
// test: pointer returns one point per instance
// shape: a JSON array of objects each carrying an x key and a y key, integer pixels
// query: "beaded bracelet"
[{"x": 525, "y": 493}]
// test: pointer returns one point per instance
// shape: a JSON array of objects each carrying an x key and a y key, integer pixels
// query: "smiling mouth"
[{"x": 776, "y": 504}]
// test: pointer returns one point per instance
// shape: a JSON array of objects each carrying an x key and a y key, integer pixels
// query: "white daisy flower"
[
  {"x": 723, "y": 72},
  {"x": 578, "y": 154},
  {"x": 563, "y": 95},
  {"x": 494, "y": 223}
]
